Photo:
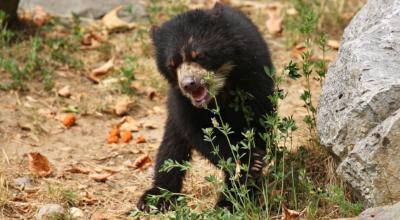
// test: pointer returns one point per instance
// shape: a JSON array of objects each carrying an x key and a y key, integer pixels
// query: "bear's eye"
[
  {"x": 195, "y": 54},
  {"x": 171, "y": 63}
]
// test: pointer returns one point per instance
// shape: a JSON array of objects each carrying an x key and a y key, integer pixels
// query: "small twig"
[{"x": 6, "y": 156}]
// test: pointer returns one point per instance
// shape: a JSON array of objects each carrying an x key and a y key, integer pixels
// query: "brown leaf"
[
  {"x": 87, "y": 201},
  {"x": 69, "y": 120},
  {"x": 64, "y": 92},
  {"x": 103, "y": 176},
  {"x": 288, "y": 214},
  {"x": 91, "y": 40},
  {"x": 334, "y": 44},
  {"x": 274, "y": 21},
  {"x": 76, "y": 169},
  {"x": 112, "y": 22},
  {"x": 97, "y": 73},
  {"x": 237, "y": 169},
  {"x": 143, "y": 162},
  {"x": 274, "y": 24},
  {"x": 40, "y": 16},
  {"x": 128, "y": 123},
  {"x": 298, "y": 50},
  {"x": 39, "y": 164},
  {"x": 122, "y": 107},
  {"x": 149, "y": 126},
  {"x": 140, "y": 140},
  {"x": 87, "y": 39}
]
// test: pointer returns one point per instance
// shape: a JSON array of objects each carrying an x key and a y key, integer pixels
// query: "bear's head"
[{"x": 195, "y": 51}]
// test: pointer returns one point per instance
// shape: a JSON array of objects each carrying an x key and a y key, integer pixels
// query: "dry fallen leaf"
[
  {"x": 128, "y": 123},
  {"x": 76, "y": 169},
  {"x": 274, "y": 21},
  {"x": 87, "y": 39},
  {"x": 97, "y": 73},
  {"x": 140, "y": 140},
  {"x": 103, "y": 176},
  {"x": 288, "y": 214},
  {"x": 143, "y": 162},
  {"x": 112, "y": 22},
  {"x": 39, "y": 164},
  {"x": 274, "y": 24},
  {"x": 91, "y": 40},
  {"x": 88, "y": 199},
  {"x": 149, "y": 126},
  {"x": 64, "y": 92},
  {"x": 237, "y": 169},
  {"x": 69, "y": 120},
  {"x": 40, "y": 16},
  {"x": 334, "y": 44},
  {"x": 126, "y": 136},
  {"x": 122, "y": 107},
  {"x": 298, "y": 51},
  {"x": 291, "y": 11},
  {"x": 113, "y": 136}
]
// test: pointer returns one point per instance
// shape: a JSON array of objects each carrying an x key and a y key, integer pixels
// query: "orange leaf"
[
  {"x": 141, "y": 163},
  {"x": 113, "y": 137},
  {"x": 288, "y": 214},
  {"x": 69, "y": 120},
  {"x": 127, "y": 136},
  {"x": 140, "y": 140},
  {"x": 39, "y": 164}
]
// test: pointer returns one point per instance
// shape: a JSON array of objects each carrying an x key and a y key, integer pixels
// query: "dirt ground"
[{"x": 30, "y": 122}]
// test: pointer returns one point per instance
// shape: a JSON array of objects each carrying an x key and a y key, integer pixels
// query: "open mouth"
[{"x": 200, "y": 96}]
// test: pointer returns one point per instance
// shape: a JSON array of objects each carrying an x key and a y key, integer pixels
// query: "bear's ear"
[
  {"x": 218, "y": 8},
  {"x": 154, "y": 31}
]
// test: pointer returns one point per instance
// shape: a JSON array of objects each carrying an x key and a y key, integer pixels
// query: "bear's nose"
[{"x": 189, "y": 84}]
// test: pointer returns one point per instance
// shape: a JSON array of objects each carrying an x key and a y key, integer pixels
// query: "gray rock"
[
  {"x": 76, "y": 213},
  {"x": 389, "y": 212},
  {"x": 358, "y": 116},
  {"x": 93, "y": 9},
  {"x": 49, "y": 210},
  {"x": 23, "y": 182}
]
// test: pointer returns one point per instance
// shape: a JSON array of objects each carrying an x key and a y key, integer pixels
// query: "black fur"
[{"x": 221, "y": 34}]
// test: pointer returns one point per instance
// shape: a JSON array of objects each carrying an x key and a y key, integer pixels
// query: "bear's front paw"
[
  {"x": 146, "y": 203},
  {"x": 257, "y": 163}
]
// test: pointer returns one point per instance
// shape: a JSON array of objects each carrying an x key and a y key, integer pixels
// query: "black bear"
[{"x": 222, "y": 42}]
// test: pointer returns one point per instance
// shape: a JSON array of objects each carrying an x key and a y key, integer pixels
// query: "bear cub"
[{"x": 223, "y": 45}]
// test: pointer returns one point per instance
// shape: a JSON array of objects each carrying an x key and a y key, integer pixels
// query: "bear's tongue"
[{"x": 199, "y": 94}]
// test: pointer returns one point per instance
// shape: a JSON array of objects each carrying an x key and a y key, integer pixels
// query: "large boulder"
[
  {"x": 358, "y": 116},
  {"x": 389, "y": 212}
]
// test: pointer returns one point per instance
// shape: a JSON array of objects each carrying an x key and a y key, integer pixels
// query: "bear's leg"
[{"x": 173, "y": 147}]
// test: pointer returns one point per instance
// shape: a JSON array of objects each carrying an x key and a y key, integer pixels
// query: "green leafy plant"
[
  {"x": 127, "y": 75},
  {"x": 5, "y": 34}
]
